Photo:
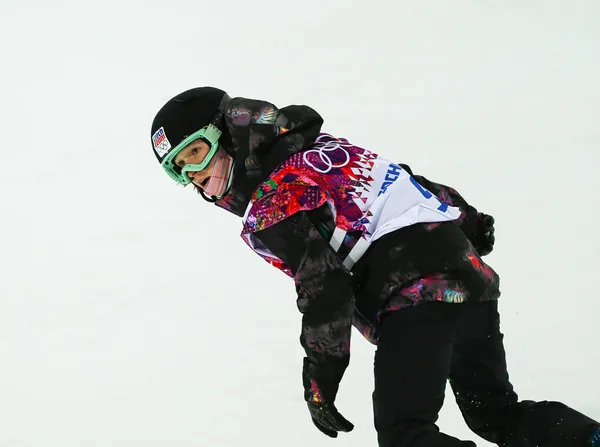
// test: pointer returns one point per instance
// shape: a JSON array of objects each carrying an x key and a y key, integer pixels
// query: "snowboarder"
[{"x": 369, "y": 244}]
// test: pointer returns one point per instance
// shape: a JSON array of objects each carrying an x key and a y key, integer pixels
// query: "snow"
[{"x": 132, "y": 314}]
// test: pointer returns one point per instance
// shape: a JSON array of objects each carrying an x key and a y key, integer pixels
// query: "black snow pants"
[{"x": 423, "y": 346}]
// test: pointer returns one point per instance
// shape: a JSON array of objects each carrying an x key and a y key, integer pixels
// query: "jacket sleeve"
[
  {"x": 325, "y": 298},
  {"x": 468, "y": 220}
]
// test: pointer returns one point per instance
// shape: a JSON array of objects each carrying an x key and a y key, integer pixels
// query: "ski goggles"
[{"x": 210, "y": 134}]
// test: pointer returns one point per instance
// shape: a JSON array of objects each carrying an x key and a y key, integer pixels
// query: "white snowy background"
[{"x": 132, "y": 314}]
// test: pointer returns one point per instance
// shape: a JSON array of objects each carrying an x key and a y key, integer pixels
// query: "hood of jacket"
[{"x": 260, "y": 137}]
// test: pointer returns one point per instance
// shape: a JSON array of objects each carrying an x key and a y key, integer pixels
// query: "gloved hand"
[
  {"x": 485, "y": 234},
  {"x": 328, "y": 420}
]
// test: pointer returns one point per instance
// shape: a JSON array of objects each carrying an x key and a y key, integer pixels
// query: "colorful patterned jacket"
[{"x": 322, "y": 216}]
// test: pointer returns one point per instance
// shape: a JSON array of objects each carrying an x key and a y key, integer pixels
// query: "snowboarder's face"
[{"x": 194, "y": 153}]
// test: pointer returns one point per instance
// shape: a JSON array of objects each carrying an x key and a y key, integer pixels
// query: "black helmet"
[{"x": 191, "y": 115}]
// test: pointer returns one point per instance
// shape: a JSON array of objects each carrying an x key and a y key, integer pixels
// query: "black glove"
[
  {"x": 485, "y": 234},
  {"x": 327, "y": 419}
]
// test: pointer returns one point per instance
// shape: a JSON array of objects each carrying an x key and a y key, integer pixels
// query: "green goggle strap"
[{"x": 209, "y": 133}]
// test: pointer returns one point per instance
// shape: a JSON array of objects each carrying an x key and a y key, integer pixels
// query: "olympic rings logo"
[
  {"x": 323, "y": 150},
  {"x": 162, "y": 148}
]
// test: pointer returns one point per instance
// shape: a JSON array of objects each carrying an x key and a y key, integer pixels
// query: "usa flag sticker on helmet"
[{"x": 160, "y": 142}]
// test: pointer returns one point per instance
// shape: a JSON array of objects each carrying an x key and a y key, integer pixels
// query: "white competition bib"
[
  {"x": 370, "y": 195},
  {"x": 394, "y": 200}
]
